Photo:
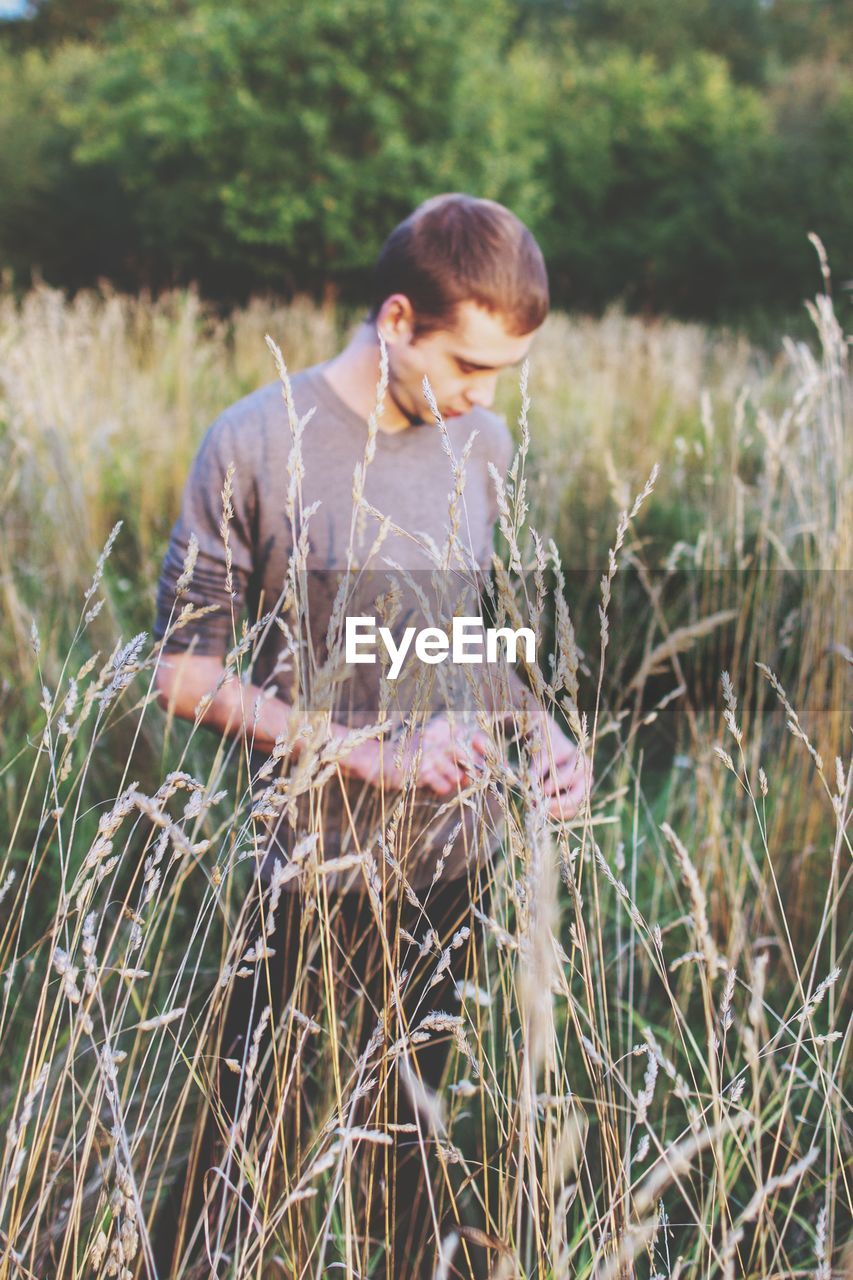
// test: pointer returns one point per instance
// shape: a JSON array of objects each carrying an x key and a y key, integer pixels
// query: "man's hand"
[
  {"x": 565, "y": 774},
  {"x": 438, "y": 756}
]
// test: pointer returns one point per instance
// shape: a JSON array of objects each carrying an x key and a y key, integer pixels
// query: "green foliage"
[
  {"x": 755, "y": 37},
  {"x": 812, "y": 173},
  {"x": 656, "y": 185},
  {"x": 674, "y": 29},
  {"x": 46, "y": 24},
  {"x": 813, "y": 29},
  {"x": 663, "y": 156},
  {"x": 283, "y": 140},
  {"x": 69, "y": 223}
]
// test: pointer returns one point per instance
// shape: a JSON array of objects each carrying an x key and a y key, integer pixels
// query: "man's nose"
[{"x": 483, "y": 394}]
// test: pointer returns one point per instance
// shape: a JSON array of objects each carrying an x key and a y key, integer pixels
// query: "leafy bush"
[{"x": 272, "y": 146}]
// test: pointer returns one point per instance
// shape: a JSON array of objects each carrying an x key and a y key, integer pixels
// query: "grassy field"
[{"x": 648, "y": 1067}]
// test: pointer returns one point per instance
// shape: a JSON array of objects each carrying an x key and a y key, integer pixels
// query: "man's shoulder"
[
  {"x": 261, "y": 416},
  {"x": 267, "y": 403}
]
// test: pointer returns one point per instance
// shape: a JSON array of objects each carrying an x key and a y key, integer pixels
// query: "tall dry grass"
[{"x": 648, "y": 1066}]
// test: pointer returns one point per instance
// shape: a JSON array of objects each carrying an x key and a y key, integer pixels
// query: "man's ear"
[{"x": 396, "y": 320}]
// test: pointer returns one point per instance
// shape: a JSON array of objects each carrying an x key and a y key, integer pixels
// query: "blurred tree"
[
  {"x": 44, "y": 24},
  {"x": 670, "y": 30},
  {"x": 811, "y": 30},
  {"x": 278, "y": 143},
  {"x": 812, "y": 172},
  {"x": 71, "y": 225},
  {"x": 270, "y": 145},
  {"x": 657, "y": 179}
]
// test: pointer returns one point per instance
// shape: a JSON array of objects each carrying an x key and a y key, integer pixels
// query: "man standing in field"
[{"x": 365, "y": 788}]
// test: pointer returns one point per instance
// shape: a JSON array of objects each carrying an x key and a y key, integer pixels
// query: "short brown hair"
[{"x": 456, "y": 248}]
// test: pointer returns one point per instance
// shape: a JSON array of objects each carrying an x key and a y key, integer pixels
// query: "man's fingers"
[
  {"x": 562, "y": 777},
  {"x": 567, "y": 802},
  {"x": 557, "y": 757},
  {"x": 469, "y": 750},
  {"x": 564, "y": 805},
  {"x": 560, "y": 807},
  {"x": 573, "y": 771},
  {"x": 581, "y": 784},
  {"x": 442, "y": 774},
  {"x": 436, "y": 782}
]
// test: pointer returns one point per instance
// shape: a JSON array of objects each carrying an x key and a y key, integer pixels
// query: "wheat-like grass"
[{"x": 649, "y": 1040}]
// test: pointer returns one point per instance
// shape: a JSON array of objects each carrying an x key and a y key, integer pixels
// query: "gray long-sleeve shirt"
[{"x": 409, "y": 480}]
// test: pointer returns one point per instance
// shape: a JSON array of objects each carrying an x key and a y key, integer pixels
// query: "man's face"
[{"x": 462, "y": 363}]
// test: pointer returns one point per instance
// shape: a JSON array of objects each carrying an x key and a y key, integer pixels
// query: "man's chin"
[
  {"x": 429, "y": 416},
  {"x": 446, "y": 414}
]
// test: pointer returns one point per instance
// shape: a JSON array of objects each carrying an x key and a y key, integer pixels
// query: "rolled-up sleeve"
[{"x": 202, "y": 513}]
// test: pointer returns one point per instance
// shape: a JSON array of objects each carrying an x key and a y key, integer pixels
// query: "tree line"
[{"x": 669, "y": 154}]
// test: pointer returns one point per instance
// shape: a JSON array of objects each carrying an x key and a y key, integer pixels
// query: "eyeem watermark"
[{"x": 470, "y": 641}]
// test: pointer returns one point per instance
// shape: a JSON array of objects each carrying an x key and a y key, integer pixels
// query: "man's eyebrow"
[{"x": 491, "y": 368}]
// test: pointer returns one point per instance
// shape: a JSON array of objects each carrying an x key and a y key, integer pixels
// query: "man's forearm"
[
  {"x": 229, "y": 706},
  {"x": 247, "y": 710}
]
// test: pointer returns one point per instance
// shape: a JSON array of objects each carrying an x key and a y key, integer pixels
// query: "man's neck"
[{"x": 354, "y": 376}]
